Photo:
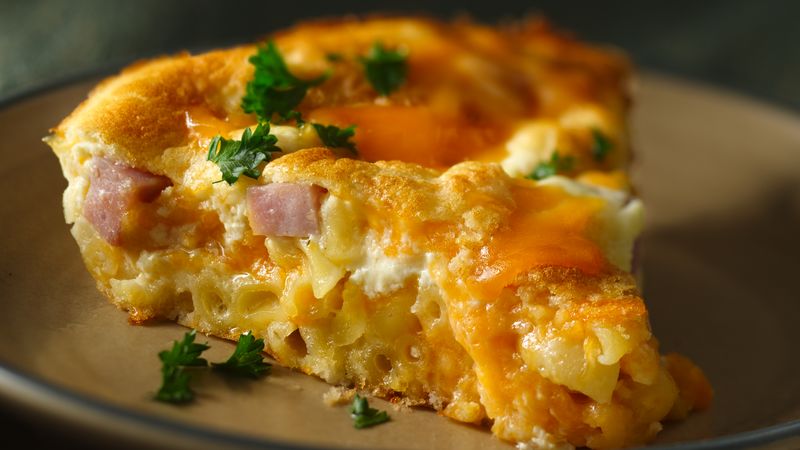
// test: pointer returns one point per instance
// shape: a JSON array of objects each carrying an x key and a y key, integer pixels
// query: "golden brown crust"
[
  {"x": 142, "y": 111},
  {"x": 401, "y": 190},
  {"x": 520, "y": 72}
]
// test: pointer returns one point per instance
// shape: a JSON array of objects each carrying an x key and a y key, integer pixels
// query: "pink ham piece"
[
  {"x": 114, "y": 190},
  {"x": 283, "y": 209}
]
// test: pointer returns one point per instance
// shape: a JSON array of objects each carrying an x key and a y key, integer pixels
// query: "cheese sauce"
[{"x": 548, "y": 228}]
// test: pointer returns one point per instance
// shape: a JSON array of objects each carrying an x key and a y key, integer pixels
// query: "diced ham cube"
[
  {"x": 114, "y": 189},
  {"x": 284, "y": 209}
]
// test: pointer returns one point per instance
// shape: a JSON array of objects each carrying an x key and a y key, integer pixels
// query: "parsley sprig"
[
  {"x": 174, "y": 386},
  {"x": 364, "y": 416},
  {"x": 274, "y": 90},
  {"x": 247, "y": 360},
  {"x": 243, "y": 157},
  {"x": 385, "y": 69},
  {"x": 601, "y": 145},
  {"x": 557, "y": 164},
  {"x": 335, "y": 137},
  {"x": 175, "y": 381}
]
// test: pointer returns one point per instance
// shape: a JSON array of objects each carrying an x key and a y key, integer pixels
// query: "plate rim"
[
  {"x": 33, "y": 392},
  {"x": 22, "y": 388}
]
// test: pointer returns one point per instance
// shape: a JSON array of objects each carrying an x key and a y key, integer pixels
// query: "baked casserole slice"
[{"x": 469, "y": 248}]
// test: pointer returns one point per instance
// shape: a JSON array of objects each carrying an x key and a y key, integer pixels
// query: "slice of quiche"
[{"x": 433, "y": 212}]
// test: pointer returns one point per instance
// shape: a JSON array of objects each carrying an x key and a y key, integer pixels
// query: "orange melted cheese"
[
  {"x": 548, "y": 228},
  {"x": 695, "y": 390},
  {"x": 615, "y": 179},
  {"x": 488, "y": 333},
  {"x": 412, "y": 134},
  {"x": 467, "y": 88},
  {"x": 203, "y": 124}
]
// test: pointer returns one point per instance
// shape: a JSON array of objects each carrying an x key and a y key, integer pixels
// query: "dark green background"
[{"x": 751, "y": 46}]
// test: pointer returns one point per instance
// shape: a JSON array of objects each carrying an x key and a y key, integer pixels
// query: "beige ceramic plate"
[{"x": 721, "y": 178}]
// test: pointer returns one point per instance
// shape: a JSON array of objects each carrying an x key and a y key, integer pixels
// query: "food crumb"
[
  {"x": 338, "y": 395},
  {"x": 402, "y": 406}
]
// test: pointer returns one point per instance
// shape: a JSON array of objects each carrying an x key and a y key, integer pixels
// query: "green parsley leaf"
[
  {"x": 175, "y": 381},
  {"x": 243, "y": 157},
  {"x": 247, "y": 359},
  {"x": 174, "y": 386},
  {"x": 335, "y": 137},
  {"x": 557, "y": 164},
  {"x": 385, "y": 69},
  {"x": 334, "y": 57},
  {"x": 274, "y": 90},
  {"x": 185, "y": 353},
  {"x": 364, "y": 416},
  {"x": 601, "y": 145}
]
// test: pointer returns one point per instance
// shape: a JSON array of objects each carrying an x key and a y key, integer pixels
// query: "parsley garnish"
[
  {"x": 385, "y": 69},
  {"x": 237, "y": 158},
  {"x": 274, "y": 90},
  {"x": 175, "y": 384},
  {"x": 247, "y": 360},
  {"x": 334, "y": 57},
  {"x": 335, "y": 137},
  {"x": 601, "y": 145},
  {"x": 555, "y": 165},
  {"x": 364, "y": 416},
  {"x": 185, "y": 353}
]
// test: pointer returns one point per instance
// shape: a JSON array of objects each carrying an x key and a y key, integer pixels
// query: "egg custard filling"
[{"x": 457, "y": 233}]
